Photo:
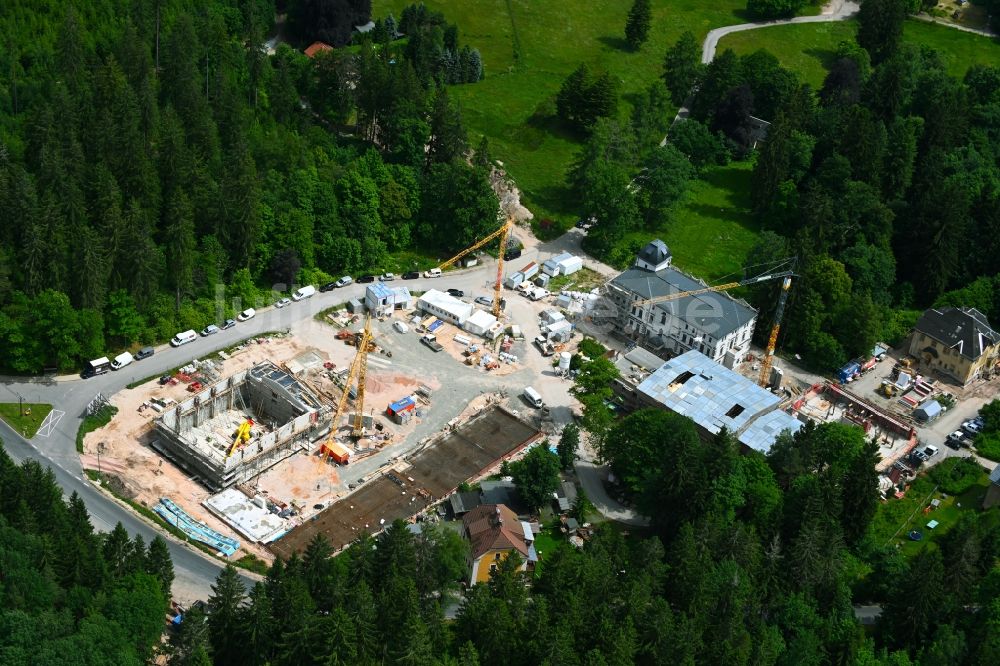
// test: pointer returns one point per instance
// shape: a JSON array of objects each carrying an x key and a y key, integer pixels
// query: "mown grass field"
[
  {"x": 712, "y": 229},
  {"x": 514, "y": 105},
  {"x": 809, "y": 48},
  {"x": 25, "y": 423}
]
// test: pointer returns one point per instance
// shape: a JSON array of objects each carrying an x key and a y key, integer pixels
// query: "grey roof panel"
[
  {"x": 708, "y": 393},
  {"x": 716, "y": 313},
  {"x": 964, "y": 329}
]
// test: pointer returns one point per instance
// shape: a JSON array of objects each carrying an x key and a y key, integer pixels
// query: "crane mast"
[
  {"x": 366, "y": 337},
  {"x": 772, "y": 341}
]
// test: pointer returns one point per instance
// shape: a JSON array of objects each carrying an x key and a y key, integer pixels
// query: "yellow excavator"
[{"x": 240, "y": 437}]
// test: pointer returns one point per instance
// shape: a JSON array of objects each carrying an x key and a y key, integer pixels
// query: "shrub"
[{"x": 956, "y": 475}]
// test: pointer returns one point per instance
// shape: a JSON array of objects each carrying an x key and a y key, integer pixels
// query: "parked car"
[
  {"x": 344, "y": 281},
  {"x": 329, "y": 286},
  {"x": 145, "y": 352},
  {"x": 249, "y": 313},
  {"x": 303, "y": 293},
  {"x": 457, "y": 293},
  {"x": 211, "y": 329},
  {"x": 931, "y": 450},
  {"x": 433, "y": 273},
  {"x": 412, "y": 275},
  {"x": 183, "y": 338},
  {"x": 229, "y": 323},
  {"x": 366, "y": 278},
  {"x": 971, "y": 428},
  {"x": 164, "y": 379},
  {"x": 488, "y": 302},
  {"x": 282, "y": 303},
  {"x": 955, "y": 439},
  {"x": 510, "y": 255},
  {"x": 387, "y": 277},
  {"x": 400, "y": 326}
]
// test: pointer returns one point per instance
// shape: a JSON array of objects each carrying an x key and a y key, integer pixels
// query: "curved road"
[{"x": 195, "y": 571}]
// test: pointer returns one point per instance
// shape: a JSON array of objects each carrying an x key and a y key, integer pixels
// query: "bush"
[
  {"x": 591, "y": 348},
  {"x": 988, "y": 445},
  {"x": 956, "y": 475}
]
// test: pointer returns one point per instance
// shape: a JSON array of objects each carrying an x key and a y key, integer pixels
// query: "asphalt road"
[{"x": 69, "y": 396}]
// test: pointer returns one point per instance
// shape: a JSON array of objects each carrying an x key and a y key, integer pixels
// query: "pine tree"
[
  {"x": 224, "y": 617},
  {"x": 682, "y": 68},
  {"x": 116, "y": 549},
  {"x": 448, "y": 137},
  {"x": 179, "y": 237},
  {"x": 637, "y": 24},
  {"x": 159, "y": 564},
  {"x": 569, "y": 441}
]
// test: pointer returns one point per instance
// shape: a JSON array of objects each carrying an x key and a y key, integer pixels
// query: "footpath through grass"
[
  {"x": 25, "y": 418},
  {"x": 809, "y": 49},
  {"x": 514, "y": 105}
]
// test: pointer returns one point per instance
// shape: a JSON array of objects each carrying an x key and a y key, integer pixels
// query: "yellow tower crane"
[
  {"x": 503, "y": 233},
  {"x": 786, "y": 277},
  {"x": 358, "y": 369},
  {"x": 366, "y": 339}
]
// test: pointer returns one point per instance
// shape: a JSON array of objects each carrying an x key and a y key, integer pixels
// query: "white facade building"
[
  {"x": 445, "y": 307},
  {"x": 715, "y": 324}
]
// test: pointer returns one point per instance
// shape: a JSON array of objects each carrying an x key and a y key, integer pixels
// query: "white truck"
[{"x": 430, "y": 340}]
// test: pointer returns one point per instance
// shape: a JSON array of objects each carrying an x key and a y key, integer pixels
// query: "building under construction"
[{"x": 241, "y": 426}]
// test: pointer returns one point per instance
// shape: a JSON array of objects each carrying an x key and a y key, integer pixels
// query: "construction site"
[
  {"x": 463, "y": 453},
  {"x": 350, "y": 419},
  {"x": 241, "y": 426}
]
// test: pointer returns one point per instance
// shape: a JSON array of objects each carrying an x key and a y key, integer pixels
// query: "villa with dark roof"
[
  {"x": 957, "y": 342},
  {"x": 715, "y": 324}
]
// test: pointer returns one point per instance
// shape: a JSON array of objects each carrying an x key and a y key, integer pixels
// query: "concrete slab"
[{"x": 249, "y": 519}]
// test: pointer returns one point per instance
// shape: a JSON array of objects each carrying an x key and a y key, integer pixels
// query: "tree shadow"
[
  {"x": 826, "y": 57},
  {"x": 617, "y": 43}
]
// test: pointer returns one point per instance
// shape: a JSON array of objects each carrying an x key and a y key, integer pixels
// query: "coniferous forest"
[{"x": 152, "y": 151}]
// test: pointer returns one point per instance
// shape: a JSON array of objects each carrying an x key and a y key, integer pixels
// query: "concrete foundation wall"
[{"x": 296, "y": 419}]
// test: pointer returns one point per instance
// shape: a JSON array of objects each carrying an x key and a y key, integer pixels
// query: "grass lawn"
[
  {"x": 582, "y": 280},
  {"x": 28, "y": 423},
  {"x": 514, "y": 105},
  {"x": 907, "y": 514},
  {"x": 809, "y": 48},
  {"x": 713, "y": 229}
]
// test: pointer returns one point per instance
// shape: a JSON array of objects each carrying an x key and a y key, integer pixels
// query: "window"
[
  {"x": 735, "y": 411},
  {"x": 496, "y": 557},
  {"x": 683, "y": 377},
  {"x": 663, "y": 318}
]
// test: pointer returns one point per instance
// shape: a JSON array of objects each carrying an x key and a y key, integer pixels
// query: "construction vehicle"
[
  {"x": 784, "y": 275},
  {"x": 240, "y": 437},
  {"x": 502, "y": 233}
]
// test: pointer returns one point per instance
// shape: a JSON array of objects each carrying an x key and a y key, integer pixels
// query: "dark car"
[
  {"x": 165, "y": 379},
  {"x": 511, "y": 254},
  {"x": 145, "y": 352},
  {"x": 329, "y": 286},
  {"x": 412, "y": 275},
  {"x": 457, "y": 293},
  {"x": 366, "y": 278}
]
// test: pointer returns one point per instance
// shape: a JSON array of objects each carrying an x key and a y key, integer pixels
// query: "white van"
[
  {"x": 433, "y": 273},
  {"x": 401, "y": 327},
  {"x": 304, "y": 292},
  {"x": 533, "y": 397},
  {"x": 183, "y": 338},
  {"x": 121, "y": 361}
]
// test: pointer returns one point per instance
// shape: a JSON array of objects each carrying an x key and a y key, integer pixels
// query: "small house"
[
  {"x": 928, "y": 411},
  {"x": 494, "y": 532}
]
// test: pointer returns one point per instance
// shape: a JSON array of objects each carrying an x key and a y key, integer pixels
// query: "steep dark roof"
[
  {"x": 965, "y": 330},
  {"x": 655, "y": 252},
  {"x": 494, "y": 527},
  {"x": 699, "y": 311}
]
